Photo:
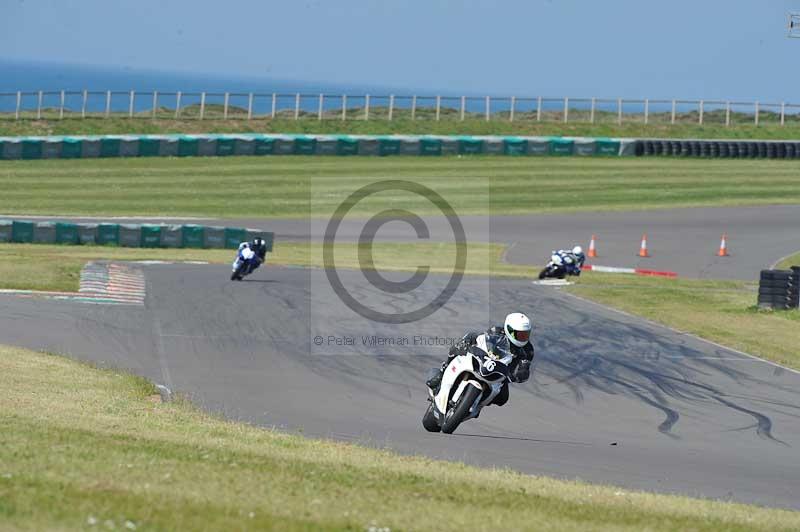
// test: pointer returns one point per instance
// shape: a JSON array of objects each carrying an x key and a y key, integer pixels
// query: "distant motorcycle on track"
[{"x": 248, "y": 258}]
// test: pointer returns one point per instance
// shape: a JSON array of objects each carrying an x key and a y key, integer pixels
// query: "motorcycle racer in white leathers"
[{"x": 513, "y": 336}]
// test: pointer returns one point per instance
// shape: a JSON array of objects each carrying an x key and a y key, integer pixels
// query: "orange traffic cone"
[
  {"x": 592, "y": 248},
  {"x": 723, "y": 246},
  {"x": 643, "y": 247}
]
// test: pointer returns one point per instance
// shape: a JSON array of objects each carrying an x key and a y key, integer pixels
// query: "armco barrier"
[
  {"x": 333, "y": 145},
  {"x": 129, "y": 235}
]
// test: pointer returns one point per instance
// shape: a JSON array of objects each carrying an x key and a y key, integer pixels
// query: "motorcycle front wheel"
[
  {"x": 455, "y": 415},
  {"x": 429, "y": 420}
]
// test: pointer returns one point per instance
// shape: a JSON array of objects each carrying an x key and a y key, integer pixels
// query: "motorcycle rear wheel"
[{"x": 454, "y": 416}]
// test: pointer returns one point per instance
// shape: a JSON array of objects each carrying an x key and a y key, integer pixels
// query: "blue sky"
[{"x": 629, "y": 48}]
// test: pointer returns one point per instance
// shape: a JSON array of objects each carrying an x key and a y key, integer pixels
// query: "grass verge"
[
  {"x": 721, "y": 311},
  {"x": 301, "y": 186},
  {"x": 792, "y": 260},
  {"x": 87, "y": 448},
  {"x": 552, "y": 125}
]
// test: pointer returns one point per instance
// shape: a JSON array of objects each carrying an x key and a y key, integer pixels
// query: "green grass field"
[
  {"x": 299, "y": 186},
  {"x": 686, "y": 127},
  {"x": 83, "y": 448}
]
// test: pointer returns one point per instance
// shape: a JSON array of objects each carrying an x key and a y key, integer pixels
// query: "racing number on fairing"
[{"x": 489, "y": 364}]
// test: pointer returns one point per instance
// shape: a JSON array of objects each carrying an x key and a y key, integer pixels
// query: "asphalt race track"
[
  {"x": 613, "y": 399},
  {"x": 684, "y": 241}
]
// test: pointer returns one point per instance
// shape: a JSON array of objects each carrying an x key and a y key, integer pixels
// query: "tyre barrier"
[
  {"x": 340, "y": 145},
  {"x": 779, "y": 289},
  {"x": 728, "y": 149},
  {"x": 129, "y": 235}
]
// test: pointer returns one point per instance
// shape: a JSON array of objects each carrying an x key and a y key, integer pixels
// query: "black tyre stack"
[{"x": 779, "y": 289}]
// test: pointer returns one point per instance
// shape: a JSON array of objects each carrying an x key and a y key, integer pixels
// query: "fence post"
[
  {"x": 39, "y": 106},
  {"x": 202, "y": 105},
  {"x": 155, "y": 103},
  {"x": 319, "y": 107},
  {"x": 108, "y": 104},
  {"x": 646, "y": 110},
  {"x": 727, "y": 113},
  {"x": 274, "y": 105},
  {"x": 366, "y": 107},
  {"x": 414, "y": 107},
  {"x": 591, "y": 112},
  {"x": 178, "y": 104},
  {"x": 250, "y": 106},
  {"x": 19, "y": 104},
  {"x": 297, "y": 106},
  {"x": 757, "y": 109},
  {"x": 672, "y": 121},
  {"x": 702, "y": 108},
  {"x": 85, "y": 96},
  {"x": 566, "y": 109},
  {"x": 463, "y": 107},
  {"x": 619, "y": 111},
  {"x": 344, "y": 107},
  {"x": 513, "y": 104},
  {"x": 539, "y": 109},
  {"x": 131, "y": 99},
  {"x": 225, "y": 100},
  {"x": 438, "y": 106},
  {"x": 61, "y": 106},
  {"x": 488, "y": 107},
  {"x": 391, "y": 106},
  {"x": 783, "y": 111}
]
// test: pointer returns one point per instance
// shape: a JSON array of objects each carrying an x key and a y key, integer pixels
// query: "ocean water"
[{"x": 31, "y": 77}]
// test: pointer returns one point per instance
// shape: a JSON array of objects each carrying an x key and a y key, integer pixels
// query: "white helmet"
[
  {"x": 577, "y": 250},
  {"x": 517, "y": 328}
]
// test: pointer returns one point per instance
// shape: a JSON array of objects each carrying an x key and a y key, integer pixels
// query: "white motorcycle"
[{"x": 470, "y": 382}]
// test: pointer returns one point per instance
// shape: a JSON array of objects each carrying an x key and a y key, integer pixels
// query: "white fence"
[{"x": 63, "y": 104}]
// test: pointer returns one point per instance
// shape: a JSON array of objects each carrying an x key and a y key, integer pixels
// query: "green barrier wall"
[
  {"x": 67, "y": 233},
  {"x": 6, "y": 232},
  {"x": 515, "y": 146},
  {"x": 234, "y": 236},
  {"x": 151, "y": 236},
  {"x": 225, "y": 146},
  {"x": 187, "y": 147},
  {"x": 430, "y": 146},
  {"x": 346, "y": 146},
  {"x": 108, "y": 234},
  {"x": 270, "y": 144},
  {"x": 22, "y": 232},
  {"x": 110, "y": 147},
  {"x": 31, "y": 149},
  {"x": 468, "y": 146},
  {"x": 130, "y": 235},
  {"x": 561, "y": 146},
  {"x": 305, "y": 145},
  {"x": 71, "y": 148},
  {"x": 263, "y": 146},
  {"x": 193, "y": 236},
  {"x": 149, "y": 147}
]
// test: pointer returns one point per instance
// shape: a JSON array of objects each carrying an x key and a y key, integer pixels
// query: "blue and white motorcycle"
[
  {"x": 246, "y": 262},
  {"x": 470, "y": 382}
]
